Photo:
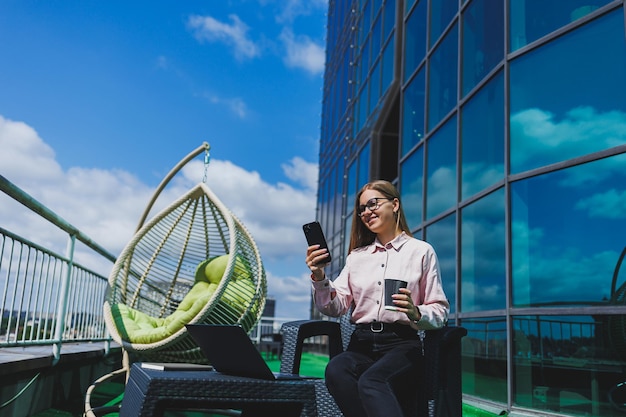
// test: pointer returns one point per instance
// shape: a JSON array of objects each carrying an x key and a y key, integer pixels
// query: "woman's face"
[{"x": 377, "y": 211}]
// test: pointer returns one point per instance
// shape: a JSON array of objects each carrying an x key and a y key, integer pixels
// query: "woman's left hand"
[{"x": 404, "y": 302}]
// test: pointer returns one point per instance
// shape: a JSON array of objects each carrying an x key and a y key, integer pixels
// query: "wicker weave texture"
[
  {"x": 148, "y": 392},
  {"x": 157, "y": 268}
]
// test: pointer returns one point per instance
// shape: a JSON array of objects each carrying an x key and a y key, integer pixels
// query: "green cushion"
[{"x": 137, "y": 327}]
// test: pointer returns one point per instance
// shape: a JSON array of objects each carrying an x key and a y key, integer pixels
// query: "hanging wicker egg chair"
[
  {"x": 160, "y": 282},
  {"x": 192, "y": 263}
]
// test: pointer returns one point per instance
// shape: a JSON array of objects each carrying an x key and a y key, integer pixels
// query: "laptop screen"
[{"x": 230, "y": 350}]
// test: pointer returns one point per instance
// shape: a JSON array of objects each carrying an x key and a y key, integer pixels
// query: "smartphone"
[{"x": 315, "y": 236}]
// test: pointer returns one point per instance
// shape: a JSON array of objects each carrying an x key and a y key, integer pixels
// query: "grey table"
[{"x": 150, "y": 392}]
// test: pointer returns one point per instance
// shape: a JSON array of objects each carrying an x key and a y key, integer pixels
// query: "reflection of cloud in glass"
[
  {"x": 412, "y": 198},
  {"x": 567, "y": 239},
  {"x": 484, "y": 297},
  {"x": 610, "y": 204},
  {"x": 524, "y": 238},
  {"x": 411, "y": 187},
  {"x": 441, "y": 190},
  {"x": 539, "y": 139},
  {"x": 485, "y": 239},
  {"x": 478, "y": 176},
  {"x": 483, "y": 254},
  {"x": 441, "y": 237},
  {"x": 558, "y": 273}
]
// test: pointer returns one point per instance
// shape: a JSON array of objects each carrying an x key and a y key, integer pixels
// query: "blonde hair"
[{"x": 360, "y": 235}]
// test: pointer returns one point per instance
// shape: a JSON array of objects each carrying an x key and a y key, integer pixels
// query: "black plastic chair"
[{"x": 440, "y": 391}]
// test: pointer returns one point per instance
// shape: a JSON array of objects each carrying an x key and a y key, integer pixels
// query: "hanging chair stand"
[{"x": 205, "y": 147}]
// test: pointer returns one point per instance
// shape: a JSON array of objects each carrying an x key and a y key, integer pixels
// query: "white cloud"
[
  {"x": 103, "y": 204},
  {"x": 235, "y": 105},
  {"x": 295, "y": 289},
  {"x": 107, "y": 204},
  {"x": 299, "y": 51},
  {"x": 206, "y": 28},
  {"x": 23, "y": 151},
  {"x": 302, "y": 172},
  {"x": 302, "y": 52},
  {"x": 291, "y": 9}
]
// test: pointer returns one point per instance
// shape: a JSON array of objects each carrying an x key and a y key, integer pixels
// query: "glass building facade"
[{"x": 503, "y": 125}]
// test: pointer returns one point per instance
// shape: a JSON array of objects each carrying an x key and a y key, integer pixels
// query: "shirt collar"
[{"x": 396, "y": 243}]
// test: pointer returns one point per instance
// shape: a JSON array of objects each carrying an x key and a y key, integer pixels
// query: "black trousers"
[{"x": 366, "y": 379}]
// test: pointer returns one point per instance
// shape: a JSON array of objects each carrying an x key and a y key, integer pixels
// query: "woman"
[{"x": 385, "y": 349}]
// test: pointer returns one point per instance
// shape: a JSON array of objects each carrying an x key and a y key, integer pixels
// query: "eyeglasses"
[{"x": 372, "y": 204}]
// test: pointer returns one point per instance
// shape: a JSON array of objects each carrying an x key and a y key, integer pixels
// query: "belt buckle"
[{"x": 377, "y": 326}]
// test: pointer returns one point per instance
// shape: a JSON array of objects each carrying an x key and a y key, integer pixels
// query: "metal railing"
[
  {"x": 539, "y": 338},
  {"x": 48, "y": 298},
  {"x": 266, "y": 335}
]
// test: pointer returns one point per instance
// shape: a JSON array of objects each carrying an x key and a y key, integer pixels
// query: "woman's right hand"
[{"x": 315, "y": 260}]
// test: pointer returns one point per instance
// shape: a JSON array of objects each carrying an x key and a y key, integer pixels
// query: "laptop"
[{"x": 230, "y": 350}]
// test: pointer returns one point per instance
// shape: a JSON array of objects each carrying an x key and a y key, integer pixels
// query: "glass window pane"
[
  {"x": 364, "y": 167},
  {"x": 441, "y": 164},
  {"x": 337, "y": 203},
  {"x": 408, "y": 4},
  {"x": 351, "y": 187},
  {"x": 442, "y": 235},
  {"x": 484, "y": 358},
  {"x": 347, "y": 226},
  {"x": 374, "y": 84},
  {"x": 413, "y": 113},
  {"x": 564, "y": 363},
  {"x": 362, "y": 105},
  {"x": 415, "y": 39},
  {"x": 389, "y": 17},
  {"x": 483, "y": 252},
  {"x": 365, "y": 59},
  {"x": 533, "y": 19},
  {"x": 388, "y": 65},
  {"x": 567, "y": 98},
  {"x": 366, "y": 17},
  {"x": 568, "y": 228},
  {"x": 322, "y": 202},
  {"x": 442, "y": 79},
  {"x": 482, "y": 136},
  {"x": 412, "y": 188},
  {"x": 376, "y": 34},
  {"x": 441, "y": 14},
  {"x": 483, "y": 40}
]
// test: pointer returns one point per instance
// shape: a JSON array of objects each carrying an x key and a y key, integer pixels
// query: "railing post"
[{"x": 62, "y": 306}]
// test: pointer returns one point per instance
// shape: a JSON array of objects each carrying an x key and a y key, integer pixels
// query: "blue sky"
[{"x": 100, "y": 99}]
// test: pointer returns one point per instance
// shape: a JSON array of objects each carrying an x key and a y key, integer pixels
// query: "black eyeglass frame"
[{"x": 371, "y": 204}]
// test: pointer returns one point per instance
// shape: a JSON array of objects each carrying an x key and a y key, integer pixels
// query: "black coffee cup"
[{"x": 392, "y": 286}]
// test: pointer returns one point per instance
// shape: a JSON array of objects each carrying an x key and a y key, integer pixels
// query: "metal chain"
[{"x": 207, "y": 159}]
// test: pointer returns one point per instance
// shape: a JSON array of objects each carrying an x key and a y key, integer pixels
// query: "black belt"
[{"x": 381, "y": 327}]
